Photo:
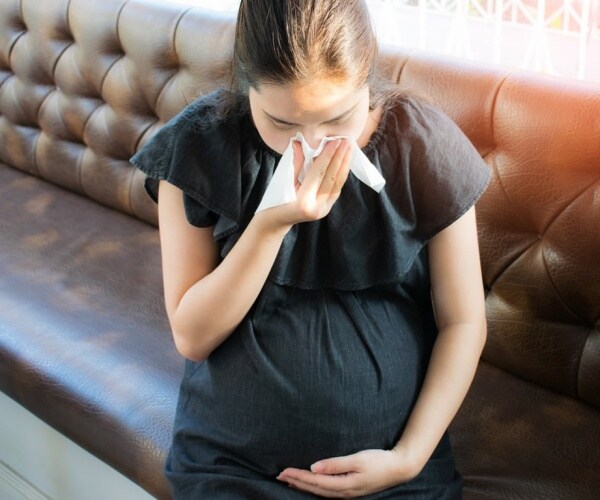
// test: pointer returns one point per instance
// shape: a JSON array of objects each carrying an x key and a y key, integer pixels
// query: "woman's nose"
[{"x": 313, "y": 139}]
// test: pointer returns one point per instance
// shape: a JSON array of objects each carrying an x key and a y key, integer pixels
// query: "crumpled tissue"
[{"x": 282, "y": 189}]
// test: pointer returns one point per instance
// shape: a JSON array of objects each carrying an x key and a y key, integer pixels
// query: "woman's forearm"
[
  {"x": 212, "y": 308},
  {"x": 451, "y": 370}
]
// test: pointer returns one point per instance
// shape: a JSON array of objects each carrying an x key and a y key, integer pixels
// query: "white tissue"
[{"x": 282, "y": 189}]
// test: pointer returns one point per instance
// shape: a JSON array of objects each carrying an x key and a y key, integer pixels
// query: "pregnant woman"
[{"x": 329, "y": 340}]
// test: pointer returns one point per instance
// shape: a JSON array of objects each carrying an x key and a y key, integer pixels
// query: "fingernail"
[{"x": 316, "y": 467}]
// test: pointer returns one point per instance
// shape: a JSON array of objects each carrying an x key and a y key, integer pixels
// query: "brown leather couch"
[{"x": 84, "y": 339}]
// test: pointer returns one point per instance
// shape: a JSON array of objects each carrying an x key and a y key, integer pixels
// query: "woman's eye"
[
  {"x": 283, "y": 126},
  {"x": 341, "y": 121}
]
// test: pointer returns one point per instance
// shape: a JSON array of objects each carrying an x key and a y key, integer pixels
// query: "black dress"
[{"x": 331, "y": 357}]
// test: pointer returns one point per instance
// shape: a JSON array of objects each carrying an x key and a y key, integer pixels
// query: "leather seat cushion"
[
  {"x": 84, "y": 340},
  {"x": 514, "y": 439}
]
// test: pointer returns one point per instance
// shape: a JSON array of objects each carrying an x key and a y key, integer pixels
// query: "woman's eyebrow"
[{"x": 339, "y": 117}]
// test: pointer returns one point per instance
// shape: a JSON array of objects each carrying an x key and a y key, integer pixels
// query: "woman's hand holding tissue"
[{"x": 320, "y": 188}]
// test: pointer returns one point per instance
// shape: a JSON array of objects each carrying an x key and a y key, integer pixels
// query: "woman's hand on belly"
[{"x": 361, "y": 473}]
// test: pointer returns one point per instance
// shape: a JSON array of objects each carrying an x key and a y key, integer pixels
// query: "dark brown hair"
[
  {"x": 296, "y": 41},
  {"x": 284, "y": 41}
]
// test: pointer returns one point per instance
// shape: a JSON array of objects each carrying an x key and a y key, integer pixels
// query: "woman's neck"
[{"x": 371, "y": 126}]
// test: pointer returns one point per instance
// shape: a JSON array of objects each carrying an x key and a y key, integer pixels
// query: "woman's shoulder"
[
  {"x": 414, "y": 115},
  {"x": 198, "y": 150},
  {"x": 433, "y": 163},
  {"x": 209, "y": 120},
  {"x": 209, "y": 112},
  {"x": 420, "y": 136}
]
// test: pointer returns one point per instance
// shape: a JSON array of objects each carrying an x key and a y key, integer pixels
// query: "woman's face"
[{"x": 316, "y": 109}]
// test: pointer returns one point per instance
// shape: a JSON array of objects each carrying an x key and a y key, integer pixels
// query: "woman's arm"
[
  {"x": 459, "y": 303},
  {"x": 206, "y": 300},
  {"x": 458, "y": 299}
]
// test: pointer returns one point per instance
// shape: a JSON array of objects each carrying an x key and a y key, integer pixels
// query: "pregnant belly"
[{"x": 326, "y": 373}]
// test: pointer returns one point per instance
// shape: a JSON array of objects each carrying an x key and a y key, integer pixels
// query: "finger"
[
  {"x": 341, "y": 177},
  {"x": 334, "y": 481},
  {"x": 331, "y": 181},
  {"x": 317, "y": 170},
  {"x": 336, "y": 465},
  {"x": 325, "y": 485},
  {"x": 315, "y": 490},
  {"x": 298, "y": 161}
]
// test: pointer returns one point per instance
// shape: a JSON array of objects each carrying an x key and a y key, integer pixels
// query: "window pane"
[{"x": 558, "y": 37}]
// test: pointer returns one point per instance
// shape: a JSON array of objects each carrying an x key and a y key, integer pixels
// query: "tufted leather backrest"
[
  {"x": 539, "y": 221},
  {"x": 84, "y": 83}
]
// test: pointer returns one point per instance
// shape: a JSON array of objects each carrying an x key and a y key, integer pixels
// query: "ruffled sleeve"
[
  {"x": 198, "y": 153},
  {"x": 446, "y": 175}
]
